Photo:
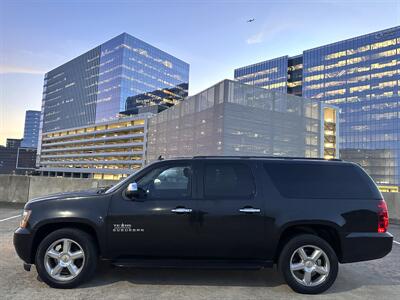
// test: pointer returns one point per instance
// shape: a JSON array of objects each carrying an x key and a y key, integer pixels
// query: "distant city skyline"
[{"x": 212, "y": 36}]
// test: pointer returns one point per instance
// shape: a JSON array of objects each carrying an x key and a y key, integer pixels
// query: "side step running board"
[{"x": 188, "y": 263}]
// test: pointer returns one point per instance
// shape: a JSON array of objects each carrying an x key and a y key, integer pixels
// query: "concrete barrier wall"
[
  {"x": 14, "y": 188},
  {"x": 20, "y": 189},
  {"x": 393, "y": 203}
]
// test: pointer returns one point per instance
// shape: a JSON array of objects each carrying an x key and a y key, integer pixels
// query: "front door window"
[{"x": 167, "y": 183}]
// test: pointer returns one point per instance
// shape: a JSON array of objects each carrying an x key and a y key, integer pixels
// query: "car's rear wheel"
[
  {"x": 308, "y": 264},
  {"x": 66, "y": 258}
]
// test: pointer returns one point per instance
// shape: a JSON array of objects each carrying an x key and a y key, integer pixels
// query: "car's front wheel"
[
  {"x": 308, "y": 264},
  {"x": 66, "y": 258}
]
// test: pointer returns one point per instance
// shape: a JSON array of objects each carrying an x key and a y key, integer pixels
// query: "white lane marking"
[
  {"x": 13, "y": 217},
  {"x": 396, "y": 242}
]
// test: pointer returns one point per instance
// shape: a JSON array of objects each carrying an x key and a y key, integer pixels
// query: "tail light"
[{"x": 383, "y": 217}]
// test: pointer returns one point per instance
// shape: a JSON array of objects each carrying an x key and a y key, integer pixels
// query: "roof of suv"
[{"x": 255, "y": 157}]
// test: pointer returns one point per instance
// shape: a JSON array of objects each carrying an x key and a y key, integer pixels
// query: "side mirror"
[{"x": 132, "y": 190}]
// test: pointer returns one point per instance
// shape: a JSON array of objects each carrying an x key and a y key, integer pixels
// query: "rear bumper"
[
  {"x": 23, "y": 244},
  {"x": 361, "y": 246}
]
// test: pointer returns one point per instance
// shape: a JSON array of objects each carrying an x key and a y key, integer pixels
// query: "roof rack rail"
[
  {"x": 269, "y": 157},
  {"x": 179, "y": 157}
]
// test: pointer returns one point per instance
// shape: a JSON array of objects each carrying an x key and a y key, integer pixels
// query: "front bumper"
[
  {"x": 361, "y": 246},
  {"x": 23, "y": 239}
]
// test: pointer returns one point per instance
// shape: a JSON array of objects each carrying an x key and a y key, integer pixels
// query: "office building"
[
  {"x": 122, "y": 76},
  {"x": 105, "y": 150},
  {"x": 231, "y": 118},
  {"x": 361, "y": 76},
  {"x": 31, "y": 129},
  {"x": 13, "y": 143},
  {"x": 16, "y": 160},
  {"x": 282, "y": 74}
]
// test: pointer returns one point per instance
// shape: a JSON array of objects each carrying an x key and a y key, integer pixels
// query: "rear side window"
[
  {"x": 334, "y": 181},
  {"x": 228, "y": 181}
]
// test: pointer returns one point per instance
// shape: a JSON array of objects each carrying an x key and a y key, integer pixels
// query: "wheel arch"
[
  {"x": 326, "y": 230},
  {"x": 45, "y": 229}
]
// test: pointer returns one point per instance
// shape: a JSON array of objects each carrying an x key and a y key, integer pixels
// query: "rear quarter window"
[{"x": 321, "y": 180}]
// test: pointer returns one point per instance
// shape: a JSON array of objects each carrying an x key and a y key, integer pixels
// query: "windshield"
[{"x": 115, "y": 187}]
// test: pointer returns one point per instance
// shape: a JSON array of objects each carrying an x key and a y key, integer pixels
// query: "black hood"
[{"x": 67, "y": 195}]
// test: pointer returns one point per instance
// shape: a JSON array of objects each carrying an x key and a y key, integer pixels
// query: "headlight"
[{"x": 25, "y": 218}]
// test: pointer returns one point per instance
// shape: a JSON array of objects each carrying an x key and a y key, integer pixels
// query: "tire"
[
  {"x": 297, "y": 259},
  {"x": 69, "y": 270}
]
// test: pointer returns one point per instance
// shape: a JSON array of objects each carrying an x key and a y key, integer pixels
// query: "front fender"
[{"x": 82, "y": 213}]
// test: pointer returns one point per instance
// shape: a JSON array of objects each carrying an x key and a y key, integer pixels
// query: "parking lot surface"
[{"x": 379, "y": 279}]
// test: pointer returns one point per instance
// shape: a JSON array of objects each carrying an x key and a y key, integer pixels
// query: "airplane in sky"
[{"x": 251, "y": 20}]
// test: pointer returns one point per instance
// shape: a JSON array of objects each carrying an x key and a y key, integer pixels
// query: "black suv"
[{"x": 305, "y": 215}]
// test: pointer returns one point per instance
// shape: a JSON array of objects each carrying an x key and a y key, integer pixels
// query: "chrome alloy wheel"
[
  {"x": 64, "y": 259},
  {"x": 309, "y": 265}
]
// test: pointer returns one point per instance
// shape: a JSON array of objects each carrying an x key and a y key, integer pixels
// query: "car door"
[
  {"x": 160, "y": 223},
  {"x": 231, "y": 222}
]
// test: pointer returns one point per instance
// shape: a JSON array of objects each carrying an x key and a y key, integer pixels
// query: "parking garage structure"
[{"x": 108, "y": 150}]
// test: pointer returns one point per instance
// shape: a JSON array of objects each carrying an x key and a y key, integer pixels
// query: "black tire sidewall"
[
  {"x": 286, "y": 254},
  {"x": 89, "y": 249}
]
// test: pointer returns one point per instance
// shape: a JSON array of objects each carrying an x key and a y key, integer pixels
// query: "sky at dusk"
[{"x": 212, "y": 36}]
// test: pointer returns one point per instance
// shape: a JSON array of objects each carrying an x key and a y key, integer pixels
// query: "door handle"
[
  {"x": 181, "y": 210},
  {"x": 250, "y": 210}
]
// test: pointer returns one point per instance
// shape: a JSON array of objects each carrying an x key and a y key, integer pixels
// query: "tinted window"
[
  {"x": 337, "y": 181},
  {"x": 168, "y": 182},
  {"x": 228, "y": 180}
]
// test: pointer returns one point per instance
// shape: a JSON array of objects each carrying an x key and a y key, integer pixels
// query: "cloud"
[
  {"x": 4, "y": 69},
  {"x": 267, "y": 33},
  {"x": 256, "y": 38}
]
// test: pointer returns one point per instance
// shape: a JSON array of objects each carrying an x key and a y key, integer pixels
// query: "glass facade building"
[
  {"x": 282, "y": 74},
  {"x": 31, "y": 129},
  {"x": 269, "y": 74},
  {"x": 123, "y": 75},
  {"x": 231, "y": 118},
  {"x": 361, "y": 76}
]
